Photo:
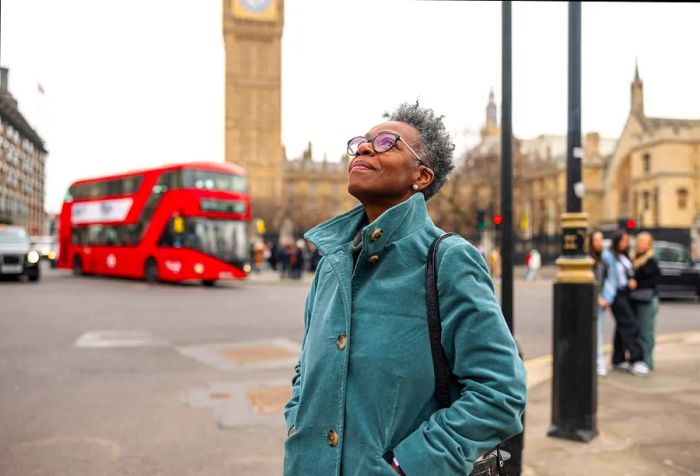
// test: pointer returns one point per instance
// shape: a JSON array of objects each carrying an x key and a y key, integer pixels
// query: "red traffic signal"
[
  {"x": 497, "y": 219},
  {"x": 630, "y": 224}
]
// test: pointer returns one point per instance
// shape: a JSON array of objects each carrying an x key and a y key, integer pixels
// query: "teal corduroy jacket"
[{"x": 364, "y": 384}]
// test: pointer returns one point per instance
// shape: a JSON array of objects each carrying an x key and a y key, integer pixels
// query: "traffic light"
[
  {"x": 497, "y": 220},
  {"x": 480, "y": 220},
  {"x": 626, "y": 224}
]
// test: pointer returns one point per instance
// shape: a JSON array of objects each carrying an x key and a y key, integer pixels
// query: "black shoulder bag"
[{"x": 491, "y": 463}]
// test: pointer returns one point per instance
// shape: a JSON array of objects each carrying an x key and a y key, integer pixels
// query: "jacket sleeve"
[
  {"x": 610, "y": 284},
  {"x": 290, "y": 409},
  {"x": 484, "y": 358}
]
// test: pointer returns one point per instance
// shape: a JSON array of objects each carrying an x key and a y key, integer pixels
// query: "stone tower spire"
[
  {"x": 491, "y": 112},
  {"x": 637, "y": 92}
]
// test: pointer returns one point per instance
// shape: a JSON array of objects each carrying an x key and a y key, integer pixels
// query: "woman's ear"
[{"x": 424, "y": 177}]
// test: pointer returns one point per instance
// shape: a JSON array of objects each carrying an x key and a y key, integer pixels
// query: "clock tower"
[{"x": 252, "y": 37}]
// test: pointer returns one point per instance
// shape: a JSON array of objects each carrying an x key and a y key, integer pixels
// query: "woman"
[
  {"x": 627, "y": 351},
  {"x": 605, "y": 287},
  {"x": 363, "y": 390},
  {"x": 645, "y": 299}
]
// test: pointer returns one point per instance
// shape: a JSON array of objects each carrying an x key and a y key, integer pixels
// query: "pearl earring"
[{"x": 415, "y": 187}]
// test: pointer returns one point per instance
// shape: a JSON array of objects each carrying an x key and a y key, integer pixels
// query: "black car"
[
  {"x": 16, "y": 256},
  {"x": 680, "y": 277}
]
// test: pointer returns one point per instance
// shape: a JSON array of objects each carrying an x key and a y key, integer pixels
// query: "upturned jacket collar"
[{"x": 395, "y": 223}]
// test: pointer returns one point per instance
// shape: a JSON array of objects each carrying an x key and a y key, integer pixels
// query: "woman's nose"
[{"x": 365, "y": 149}]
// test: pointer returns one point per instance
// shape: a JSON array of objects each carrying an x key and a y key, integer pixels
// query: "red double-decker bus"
[{"x": 174, "y": 223}]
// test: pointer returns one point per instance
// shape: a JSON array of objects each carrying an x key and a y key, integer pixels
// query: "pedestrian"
[
  {"x": 363, "y": 399},
  {"x": 627, "y": 350},
  {"x": 297, "y": 259},
  {"x": 258, "y": 256},
  {"x": 645, "y": 299},
  {"x": 283, "y": 260},
  {"x": 534, "y": 263},
  {"x": 494, "y": 263},
  {"x": 606, "y": 287}
]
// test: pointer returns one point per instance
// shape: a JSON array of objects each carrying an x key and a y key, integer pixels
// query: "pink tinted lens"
[
  {"x": 384, "y": 142},
  {"x": 355, "y": 144}
]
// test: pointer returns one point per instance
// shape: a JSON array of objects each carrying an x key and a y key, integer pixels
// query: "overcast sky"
[{"x": 135, "y": 83}]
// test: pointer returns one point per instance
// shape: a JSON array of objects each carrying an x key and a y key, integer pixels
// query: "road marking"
[
  {"x": 263, "y": 354},
  {"x": 108, "y": 339}
]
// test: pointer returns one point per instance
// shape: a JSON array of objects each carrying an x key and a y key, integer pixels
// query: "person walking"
[
  {"x": 645, "y": 299},
  {"x": 606, "y": 286},
  {"x": 534, "y": 263},
  {"x": 363, "y": 392},
  {"x": 627, "y": 350}
]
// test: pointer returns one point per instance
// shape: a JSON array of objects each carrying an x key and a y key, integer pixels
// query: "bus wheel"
[
  {"x": 77, "y": 266},
  {"x": 209, "y": 282},
  {"x": 151, "y": 271}
]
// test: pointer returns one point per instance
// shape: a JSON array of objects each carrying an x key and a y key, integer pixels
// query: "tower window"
[
  {"x": 682, "y": 198},
  {"x": 646, "y": 161},
  {"x": 645, "y": 200}
]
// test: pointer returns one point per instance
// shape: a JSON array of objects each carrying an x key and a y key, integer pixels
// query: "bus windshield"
[{"x": 222, "y": 239}]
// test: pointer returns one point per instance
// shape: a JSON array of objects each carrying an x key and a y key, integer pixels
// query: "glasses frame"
[{"x": 397, "y": 137}]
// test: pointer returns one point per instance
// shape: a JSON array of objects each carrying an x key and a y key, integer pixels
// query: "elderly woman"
[{"x": 363, "y": 398}]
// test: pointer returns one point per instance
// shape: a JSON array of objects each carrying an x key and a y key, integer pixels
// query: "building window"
[
  {"x": 682, "y": 198},
  {"x": 313, "y": 188},
  {"x": 645, "y": 200},
  {"x": 646, "y": 160}
]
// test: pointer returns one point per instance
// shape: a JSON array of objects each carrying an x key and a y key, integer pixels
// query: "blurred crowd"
[{"x": 289, "y": 259}]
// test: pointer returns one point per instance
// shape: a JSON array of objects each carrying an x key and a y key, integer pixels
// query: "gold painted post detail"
[{"x": 575, "y": 265}]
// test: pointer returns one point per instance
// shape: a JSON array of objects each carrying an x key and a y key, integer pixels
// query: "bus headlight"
[
  {"x": 199, "y": 268},
  {"x": 33, "y": 257},
  {"x": 51, "y": 255}
]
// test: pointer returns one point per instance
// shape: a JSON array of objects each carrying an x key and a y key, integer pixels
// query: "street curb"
[{"x": 539, "y": 369}]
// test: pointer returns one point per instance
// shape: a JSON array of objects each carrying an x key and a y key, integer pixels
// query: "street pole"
[
  {"x": 574, "y": 378},
  {"x": 507, "y": 170},
  {"x": 514, "y": 445}
]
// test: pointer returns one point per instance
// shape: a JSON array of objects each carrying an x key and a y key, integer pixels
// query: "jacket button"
[
  {"x": 333, "y": 438},
  {"x": 373, "y": 259},
  {"x": 341, "y": 341},
  {"x": 376, "y": 234}
]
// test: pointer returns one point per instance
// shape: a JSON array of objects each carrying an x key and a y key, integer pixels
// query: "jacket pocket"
[{"x": 390, "y": 422}]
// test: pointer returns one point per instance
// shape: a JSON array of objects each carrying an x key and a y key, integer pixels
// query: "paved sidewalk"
[{"x": 647, "y": 426}]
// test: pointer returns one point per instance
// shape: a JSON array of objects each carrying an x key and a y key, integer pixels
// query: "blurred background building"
[
  {"x": 648, "y": 178},
  {"x": 292, "y": 194},
  {"x": 22, "y": 157}
]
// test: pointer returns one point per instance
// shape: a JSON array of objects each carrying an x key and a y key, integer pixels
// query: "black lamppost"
[
  {"x": 574, "y": 379},
  {"x": 515, "y": 445}
]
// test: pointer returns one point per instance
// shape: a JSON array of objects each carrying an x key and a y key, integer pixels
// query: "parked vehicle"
[
  {"x": 680, "y": 276},
  {"x": 46, "y": 247},
  {"x": 16, "y": 256}
]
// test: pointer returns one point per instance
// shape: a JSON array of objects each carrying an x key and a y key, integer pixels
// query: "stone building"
[
  {"x": 653, "y": 175},
  {"x": 315, "y": 190},
  {"x": 253, "y": 41},
  {"x": 22, "y": 157},
  {"x": 299, "y": 192}
]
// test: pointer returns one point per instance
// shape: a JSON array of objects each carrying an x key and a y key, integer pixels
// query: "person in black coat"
[{"x": 645, "y": 299}]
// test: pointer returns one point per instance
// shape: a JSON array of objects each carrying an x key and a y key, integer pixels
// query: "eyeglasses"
[{"x": 382, "y": 142}]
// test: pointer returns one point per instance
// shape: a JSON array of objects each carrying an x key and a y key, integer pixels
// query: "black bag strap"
[
  {"x": 493, "y": 461},
  {"x": 442, "y": 370}
]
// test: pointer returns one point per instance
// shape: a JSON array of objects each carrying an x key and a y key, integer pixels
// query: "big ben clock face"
[{"x": 261, "y": 10}]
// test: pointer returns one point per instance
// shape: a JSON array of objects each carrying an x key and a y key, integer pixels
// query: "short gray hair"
[{"x": 435, "y": 146}]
